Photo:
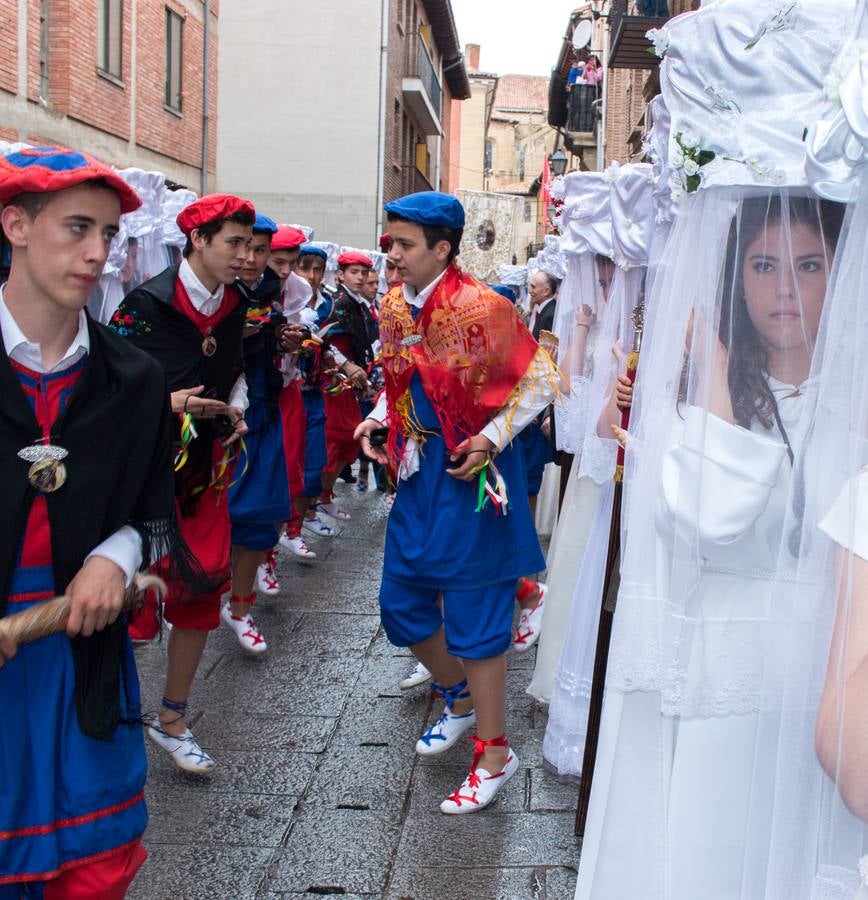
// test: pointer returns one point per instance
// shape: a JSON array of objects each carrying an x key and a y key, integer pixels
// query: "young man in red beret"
[
  {"x": 352, "y": 333},
  {"x": 86, "y": 499},
  {"x": 191, "y": 318}
]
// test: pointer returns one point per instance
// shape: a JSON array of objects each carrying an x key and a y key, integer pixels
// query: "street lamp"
[{"x": 558, "y": 162}]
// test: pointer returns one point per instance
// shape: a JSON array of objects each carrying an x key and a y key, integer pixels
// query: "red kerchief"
[
  {"x": 42, "y": 169},
  {"x": 354, "y": 258},
  {"x": 287, "y": 238},
  {"x": 212, "y": 208}
]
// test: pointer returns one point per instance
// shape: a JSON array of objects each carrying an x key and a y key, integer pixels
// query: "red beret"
[
  {"x": 287, "y": 238},
  {"x": 385, "y": 242},
  {"x": 354, "y": 258},
  {"x": 212, "y": 208},
  {"x": 42, "y": 169}
]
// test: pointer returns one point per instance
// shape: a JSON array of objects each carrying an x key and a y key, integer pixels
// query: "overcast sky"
[{"x": 518, "y": 37}]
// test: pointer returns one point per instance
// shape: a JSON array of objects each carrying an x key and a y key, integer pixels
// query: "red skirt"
[
  {"x": 292, "y": 414},
  {"x": 342, "y": 418}
]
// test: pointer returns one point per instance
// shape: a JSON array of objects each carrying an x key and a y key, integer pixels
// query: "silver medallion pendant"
[
  {"x": 209, "y": 345},
  {"x": 47, "y": 472}
]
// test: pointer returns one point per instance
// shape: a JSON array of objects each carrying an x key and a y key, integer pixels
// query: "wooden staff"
[
  {"x": 50, "y": 617},
  {"x": 611, "y": 583}
]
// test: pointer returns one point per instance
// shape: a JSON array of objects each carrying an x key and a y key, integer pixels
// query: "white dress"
[
  {"x": 673, "y": 786},
  {"x": 571, "y": 531}
]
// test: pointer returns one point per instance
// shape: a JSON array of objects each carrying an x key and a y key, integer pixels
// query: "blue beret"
[
  {"x": 264, "y": 225},
  {"x": 504, "y": 291},
  {"x": 310, "y": 250},
  {"x": 429, "y": 208}
]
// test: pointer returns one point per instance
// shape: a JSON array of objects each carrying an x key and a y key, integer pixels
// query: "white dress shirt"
[
  {"x": 124, "y": 547},
  {"x": 207, "y": 303},
  {"x": 535, "y": 395}
]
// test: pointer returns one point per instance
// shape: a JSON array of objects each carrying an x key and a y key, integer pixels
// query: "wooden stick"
[{"x": 50, "y": 617}]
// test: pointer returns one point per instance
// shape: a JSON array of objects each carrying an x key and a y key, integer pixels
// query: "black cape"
[
  {"x": 117, "y": 428},
  {"x": 147, "y": 318},
  {"x": 354, "y": 323}
]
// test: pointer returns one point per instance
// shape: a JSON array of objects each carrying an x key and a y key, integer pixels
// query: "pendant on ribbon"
[
  {"x": 47, "y": 472},
  {"x": 209, "y": 344}
]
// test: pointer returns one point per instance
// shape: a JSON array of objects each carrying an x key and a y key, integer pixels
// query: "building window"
[
  {"x": 528, "y": 211},
  {"x": 489, "y": 156},
  {"x": 43, "y": 51},
  {"x": 174, "y": 58},
  {"x": 110, "y": 36}
]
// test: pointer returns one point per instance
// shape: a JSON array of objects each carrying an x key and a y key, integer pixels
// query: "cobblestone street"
[{"x": 318, "y": 790}]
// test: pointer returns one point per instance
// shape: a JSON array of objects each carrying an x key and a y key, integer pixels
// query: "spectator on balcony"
[
  {"x": 593, "y": 71},
  {"x": 577, "y": 74},
  {"x": 658, "y": 8}
]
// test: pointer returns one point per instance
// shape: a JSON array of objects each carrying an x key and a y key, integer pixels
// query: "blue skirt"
[
  {"x": 63, "y": 796},
  {"x": 436, "y": 539}
]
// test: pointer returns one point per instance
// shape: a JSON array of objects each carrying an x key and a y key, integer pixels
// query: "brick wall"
[
  {"x": 78, "y": 95},
  {"x": 625, "y": 106},
  {"x": 178, "y": 136},
  {"x": 9, "y": 45},
  {"x": 402, "y": 132}
]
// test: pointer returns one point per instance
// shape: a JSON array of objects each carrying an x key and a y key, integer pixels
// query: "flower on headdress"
[
  {"x": 781, "y": 20},
  {"x": 721, "y": 99},
  {"x": 841, "y": 68},
  {"x": 764, "y": 172},
  {"x": 659, "y": 38},
  {"x": 687, "y": 159}
]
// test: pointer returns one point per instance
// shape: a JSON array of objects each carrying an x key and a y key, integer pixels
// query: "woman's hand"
[
  {"x": 189, "y": 400},
  {"x": 623, "y": 392},
  {"x": 585, "y": 317}
]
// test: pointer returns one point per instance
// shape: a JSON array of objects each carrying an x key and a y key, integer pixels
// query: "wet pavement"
[{"x": 317, "y": 790}]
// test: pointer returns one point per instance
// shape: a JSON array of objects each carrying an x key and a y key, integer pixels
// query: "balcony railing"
[
  {"x": 581, "y": 112},
  {"x": 628, "y": 22},
  {"x": 426, "y": 73}
]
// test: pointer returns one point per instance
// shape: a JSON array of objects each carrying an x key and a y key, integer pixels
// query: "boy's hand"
[
  {"x": 477, "y": 450},
  {"x": 96, "y": 596},
  {"x": 363, "y": 434},
  {"x": 7, "y": 648}
]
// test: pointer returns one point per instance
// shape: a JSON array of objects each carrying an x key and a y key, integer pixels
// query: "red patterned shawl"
[{"x": 473, "y": 353}]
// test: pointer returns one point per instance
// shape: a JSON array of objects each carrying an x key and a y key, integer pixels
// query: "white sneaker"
[
  {"x": 479, "y": 788},
  {"x": 297, "y": 546},
  {"x": 530, "y": 623},
  {"x": 266, "y": 577},
  {"x": 249, "y": 636},
  {"x": 185, "y": 750},
  {"x": 333, "y": 510},
  {"x": 444, "y": 733},
  {"x": 318, "y": 527},
  {"x": 419, "y": 675}
]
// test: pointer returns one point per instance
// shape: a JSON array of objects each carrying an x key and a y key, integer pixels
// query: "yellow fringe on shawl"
[{"x": 544, "y": 377}]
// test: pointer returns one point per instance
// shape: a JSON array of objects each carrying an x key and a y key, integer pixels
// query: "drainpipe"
[
  {"x": 381, "y": 127},
  {"x": 206, "y": 105},
  {"x": 601, "y": 133}
]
